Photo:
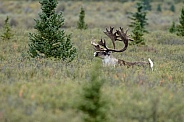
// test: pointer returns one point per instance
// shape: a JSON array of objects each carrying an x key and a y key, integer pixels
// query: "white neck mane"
[{"x": 109, "y": 61}]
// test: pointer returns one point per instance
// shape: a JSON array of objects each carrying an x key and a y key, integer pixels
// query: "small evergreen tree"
[
  {"x": 159, "y": 8},
  {"x": 92, "y": 104},
  {"x": 139, "y": 16},
  {"x": 147, "y": 4},
  {"x": 138, "y": 35},
  {"x": 81, "y": 23},
  {"x": 50, "y": 40},
  {"x": 7, "y": 34},
  {"x": 172, "y": 8},
  {"x": 172, "y": 29},
  {"x": 180, "y": 27}
]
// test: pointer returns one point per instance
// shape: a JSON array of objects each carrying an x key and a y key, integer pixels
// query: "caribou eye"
[{"x": 105, "y": 53}]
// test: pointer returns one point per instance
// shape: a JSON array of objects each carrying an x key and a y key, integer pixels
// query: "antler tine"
[
  {"x": 111, "y": 35},
  {"x": 96, "y": 46},
  {"x": 123, "y": 37},
  {"x": 125, "y": 34},
  {"x": 119, "y": 35},
  {"x": 103, "y": 43},
  {"x": 122, "y": 30},
  {"x": 126, "y": 31}
]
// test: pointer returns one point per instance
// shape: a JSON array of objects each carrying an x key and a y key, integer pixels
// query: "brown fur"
[{"x": 131, "y": 64}]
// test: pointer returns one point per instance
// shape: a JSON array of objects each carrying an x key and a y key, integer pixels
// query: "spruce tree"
[
  {"x": 180, "y": 27},
  {"x": 50, "y": 40},
  {"x": 147, "y": 4},
  {"x": 172, "y": 8},
  {"x": 139, "y": 16},
  {"x": 159, "y": 8},
  {"x": 138, "y": 35},
  {"x": 172, "y": 29},
  {"x": 81, "y": 23},
  {"x": 7, "y": 34},
  {"x": 92, "y": 104}
]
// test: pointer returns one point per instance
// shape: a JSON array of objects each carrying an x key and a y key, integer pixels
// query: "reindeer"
[{"x": 103, "y": 52}]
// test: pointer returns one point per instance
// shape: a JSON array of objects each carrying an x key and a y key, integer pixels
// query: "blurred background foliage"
[{"x": 21, "y": 13}]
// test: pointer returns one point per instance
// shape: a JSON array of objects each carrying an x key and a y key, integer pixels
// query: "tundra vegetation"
[{"x": 44, "y": 89}]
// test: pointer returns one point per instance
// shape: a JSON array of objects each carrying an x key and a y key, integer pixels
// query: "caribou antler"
[
  {"x": 119, "y": 35},
  {"x": 111, "y": 35},
  {"x": 102, "y": 51},
  {"x": 123, "y": 37},
  {"x": 97, "y": 46}
]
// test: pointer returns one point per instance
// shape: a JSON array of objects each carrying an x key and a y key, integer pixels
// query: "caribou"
[{"x": 105, "y": 53}]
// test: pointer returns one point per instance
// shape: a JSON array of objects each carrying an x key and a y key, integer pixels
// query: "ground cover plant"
[{"x": 36, "y": 89}]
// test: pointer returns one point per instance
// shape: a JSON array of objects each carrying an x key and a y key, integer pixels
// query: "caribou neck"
[{"x": 110, "y": 61}]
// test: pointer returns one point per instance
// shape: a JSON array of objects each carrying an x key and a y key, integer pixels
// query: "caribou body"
[{"x": 105, "y": 53}]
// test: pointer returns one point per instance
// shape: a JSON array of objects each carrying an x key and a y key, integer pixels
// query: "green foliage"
[
  {"x": 172, "y": 8},
  {"x": 159, "y": 8},
  {"x": 7, "y": 34},
  {"x": 138, "y": 35},
  {"x": 50, "y": 40},
  {"x": 139, "y": 16},
  {"x": 81, "y": 23},
  {"x": 147, "y": 4},
  {"x": 180, "y": 27},
  {"x": 92, "y": 104},
  {"x": 172, "y": 29}
]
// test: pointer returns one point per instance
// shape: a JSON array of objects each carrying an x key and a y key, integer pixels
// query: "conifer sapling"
[
  {"x": 180, "y": 27},
  {"x": 81, "y": 23},
  {"x": 7, "y": 34}
]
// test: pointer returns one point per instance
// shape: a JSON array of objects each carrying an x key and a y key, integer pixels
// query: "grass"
[{"x": 49, "y": 90}]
